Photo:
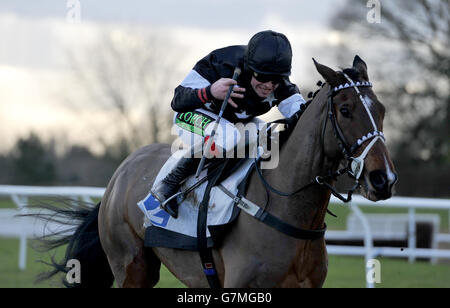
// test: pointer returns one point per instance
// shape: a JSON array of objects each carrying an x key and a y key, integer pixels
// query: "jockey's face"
[{"x": 263, "y": 89}]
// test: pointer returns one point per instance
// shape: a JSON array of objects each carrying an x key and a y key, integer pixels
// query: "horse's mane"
[{"x": 285, "y": 134}]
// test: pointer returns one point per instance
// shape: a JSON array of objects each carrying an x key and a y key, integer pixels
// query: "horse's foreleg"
[
  {"x": 238, "y": 278},
  {"x": 310, "y": 268}
]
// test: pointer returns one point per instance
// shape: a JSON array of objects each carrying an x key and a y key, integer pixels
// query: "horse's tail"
[{"x": 83, "y": 245}]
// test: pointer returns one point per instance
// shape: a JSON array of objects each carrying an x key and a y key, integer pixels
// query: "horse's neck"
[
  {"x": 301, "y": 160},
  {"x": 303, "y": 153}
]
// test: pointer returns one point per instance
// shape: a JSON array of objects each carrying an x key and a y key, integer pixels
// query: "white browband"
[{"x": 352, "y": 85}]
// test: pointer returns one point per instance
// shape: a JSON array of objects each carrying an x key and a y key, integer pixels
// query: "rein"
[
  {"x": 355, "y": 165},
  {"x": 354, "y": 168}
]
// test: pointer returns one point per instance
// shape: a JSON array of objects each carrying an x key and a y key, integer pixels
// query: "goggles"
[{"x": 276, "y": 79}]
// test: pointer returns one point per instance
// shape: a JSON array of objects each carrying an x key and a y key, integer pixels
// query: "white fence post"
[
  {"x": 21, "y": 203},
  {"x": 412, "y": 235},
  {"x": 368, "y": 240}
]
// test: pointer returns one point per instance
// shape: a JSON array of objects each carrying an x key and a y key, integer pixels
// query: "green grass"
[
  {"x": 343, "y": 272},
  {"x": 6, "y": 203},
  {"x": 12, "y": 277},
  {"x": 342, "y": 211}
]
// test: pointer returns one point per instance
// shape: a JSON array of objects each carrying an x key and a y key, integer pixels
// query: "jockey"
[{"x": 263, "y": 84}]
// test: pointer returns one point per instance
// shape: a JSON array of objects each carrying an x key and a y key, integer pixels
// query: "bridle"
[
  {"x": 355, "y": 165},
  {"x": 354, "y": 168}
]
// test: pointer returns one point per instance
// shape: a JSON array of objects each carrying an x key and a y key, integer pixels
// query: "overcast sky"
[
  {"x": 36, "y": 36},
  {"x": 228, "y": 14}
]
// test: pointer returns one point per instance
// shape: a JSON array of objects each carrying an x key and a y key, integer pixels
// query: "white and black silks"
[
  {"x": 194, "y": 91},
  {"x": 195, "y": 108}
]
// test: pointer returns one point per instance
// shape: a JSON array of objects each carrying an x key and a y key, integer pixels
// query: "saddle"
[
  {"x": 201, "y": 225},
  {"x": 227, "y": 178},
  {"x": 164, "y": 231}
]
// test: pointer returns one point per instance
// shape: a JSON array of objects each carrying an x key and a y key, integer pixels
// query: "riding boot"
[{"x": 170, "y": 185}]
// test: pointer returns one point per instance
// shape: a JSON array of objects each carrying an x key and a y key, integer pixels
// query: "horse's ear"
[
  {"x": 361, "y": 67},
  {"x": 329, "y": 74}
]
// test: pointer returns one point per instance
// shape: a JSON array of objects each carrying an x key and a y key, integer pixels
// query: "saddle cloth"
[{"x": 162, "y": 230}]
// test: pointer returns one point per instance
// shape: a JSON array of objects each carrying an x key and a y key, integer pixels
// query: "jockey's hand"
[{"x": 219, "y": 90}]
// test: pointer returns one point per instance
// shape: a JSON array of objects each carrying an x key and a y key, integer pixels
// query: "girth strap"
[
  {"x": 272, "y": 221},
  {"x": 206, "y": 255}
]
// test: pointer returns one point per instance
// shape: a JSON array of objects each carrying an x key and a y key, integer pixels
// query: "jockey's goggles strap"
[{"x": 275, "y": 79}]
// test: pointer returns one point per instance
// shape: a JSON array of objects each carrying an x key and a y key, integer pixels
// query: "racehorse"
[{"x": 344, "y": 120}]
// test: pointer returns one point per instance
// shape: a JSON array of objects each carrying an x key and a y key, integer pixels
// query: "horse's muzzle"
[{"x": 382, "y": 184}]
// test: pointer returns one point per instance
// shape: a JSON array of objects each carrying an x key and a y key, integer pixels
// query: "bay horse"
[{"x": 109, "y": 242}]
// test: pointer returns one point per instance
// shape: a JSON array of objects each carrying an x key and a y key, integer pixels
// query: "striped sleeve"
[
  {"x": 195, "y": 81},
  {"x": 193, "y": 92},
  {"x": 291, "y": 105}
]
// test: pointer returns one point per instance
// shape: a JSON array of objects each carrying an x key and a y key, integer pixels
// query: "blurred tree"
[
  {"x": 117, "y": 152},
  {"x": 33, "y": 162},
  {"x": 411, "y": 53},
  {"x": 79, "y": 166},
  {"x": 132, "y": 77},
  {"x": 6, "y": 169}
]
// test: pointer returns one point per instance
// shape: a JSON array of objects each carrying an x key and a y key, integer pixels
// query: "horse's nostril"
[{"x": 379, "y": 180}]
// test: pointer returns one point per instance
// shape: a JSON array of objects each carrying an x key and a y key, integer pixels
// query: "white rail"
[
  {"x": 50, "y": 191},
  {"x": 20, "y": 195},
  {"x": 412, "y": 252}
]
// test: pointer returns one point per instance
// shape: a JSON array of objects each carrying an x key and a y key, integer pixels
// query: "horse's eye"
[{"x": 345, "y": 112}]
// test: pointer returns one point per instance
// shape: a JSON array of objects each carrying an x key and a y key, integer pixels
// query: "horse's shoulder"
[
  {"x": 155, "y": 149},
  {"x": 153, "y": 156},
  {"x": 152, "y": 152}
]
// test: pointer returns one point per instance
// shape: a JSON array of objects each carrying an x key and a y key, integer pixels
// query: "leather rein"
[{"x": 355, "y": 165}]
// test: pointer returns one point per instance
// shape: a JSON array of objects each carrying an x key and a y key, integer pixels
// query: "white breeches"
[{"x": 193, "y": 127}]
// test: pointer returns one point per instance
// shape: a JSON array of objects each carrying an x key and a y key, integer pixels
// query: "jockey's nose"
[{"x": 381, "y": 184}]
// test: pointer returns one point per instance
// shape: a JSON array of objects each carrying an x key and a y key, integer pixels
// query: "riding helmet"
[{"x": 269, "y": 52}]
